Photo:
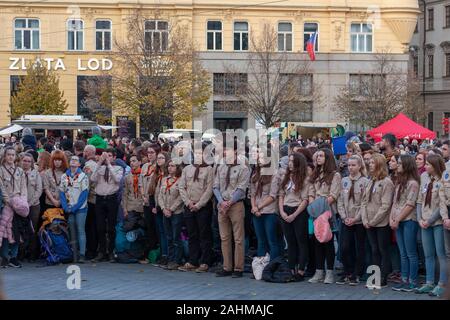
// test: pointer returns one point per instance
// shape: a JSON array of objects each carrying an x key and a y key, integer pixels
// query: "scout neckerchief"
[
  {"x": 136, "y": 174},
  {"x": 150, "y": 170},
  {"x": 429, "y": 192},
  {"x": 168, "y": 184},
  {"x": 75, "y": 177},
  {"x": 11, "y": 174},
  {"x": 57, "y": 181}
]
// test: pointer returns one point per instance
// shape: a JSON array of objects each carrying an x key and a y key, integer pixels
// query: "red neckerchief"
[
  {"x": 150, "y": 170},
  {"x": 169, "y": 185},
  {"x": 136, "y": 174}
]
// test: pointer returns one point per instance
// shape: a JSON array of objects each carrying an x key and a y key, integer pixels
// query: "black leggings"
[
  {"x": 296, "y": 234},
  {"x": 379, "y": 239},
  {"x": 324, "y": 251},
  {"x": 353, "y": 237}
]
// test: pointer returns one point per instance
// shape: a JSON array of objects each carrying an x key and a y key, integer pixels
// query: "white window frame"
[
  {"x": 240, "y": 35},
  {"x": 110, "y": 30},
  {"x": 214, "y": 35},
  {"x": 152, "y": 33},
  {"x": 284, "y": 36},
  {"x": 22, "y": 34},
  {"x": 317, "y": 48},
  {"x": 365, "y": 34},
  {"x": 75, "y": 38}
]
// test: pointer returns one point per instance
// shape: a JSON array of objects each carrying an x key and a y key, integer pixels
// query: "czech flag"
[{"x": 311, "y": 45}]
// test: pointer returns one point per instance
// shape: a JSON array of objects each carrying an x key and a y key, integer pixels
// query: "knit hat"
[
  {"x": 27, "y": 132},
  {"x": 96, "y": 131}
]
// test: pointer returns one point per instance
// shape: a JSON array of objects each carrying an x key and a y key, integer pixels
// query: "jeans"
[
  {"x": 296, "y": 234},
  {"x": 266, "y": 234},
  {"x": 91, "y": 232},
  {"x": 353, "y": 237},
  {"x": 106, "y": 219},
  {"x": 162, "y": 232},
  {"x": 433, "y": 244},
  {"x": 172, "y": 227},
  {"x": 150, "y": 230},
  {"x": 380, "y": 239},
  {"x": 77, "y": 227},
  {"x": 407, "y": 245},
  {"x": 199, "y": 229},
  {"x": 8, "y": 248}
]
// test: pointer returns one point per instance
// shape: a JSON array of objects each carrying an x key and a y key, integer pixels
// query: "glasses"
[
  {"x": 26, "y": 161},
  {"x": 151, "y": 152}
]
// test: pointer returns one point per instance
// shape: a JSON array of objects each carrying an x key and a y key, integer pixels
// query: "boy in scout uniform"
[
  {"x": 230, "y": 185},
  {"x": 132, "y": 202}
]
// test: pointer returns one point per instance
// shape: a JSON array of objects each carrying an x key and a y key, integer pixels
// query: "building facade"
[
  {"x": 76, "y": 40},
  {"x": 430, "y": 60}
]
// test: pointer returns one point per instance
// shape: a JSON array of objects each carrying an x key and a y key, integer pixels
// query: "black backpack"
[{"x": 277, "y": 271}]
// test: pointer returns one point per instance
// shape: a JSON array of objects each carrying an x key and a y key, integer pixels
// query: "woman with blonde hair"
[
  {"x": 353, "y": 232},
  {"x": 375, "y": 210}
]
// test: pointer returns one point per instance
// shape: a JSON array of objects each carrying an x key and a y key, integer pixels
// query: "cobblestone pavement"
[{"x": 121, "y": 282}]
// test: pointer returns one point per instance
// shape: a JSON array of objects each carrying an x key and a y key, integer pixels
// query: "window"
[
  {"x": 308, "y": 31},
  {"x": 284, "y": 36},
  {"x": 303, "y": 112},
  {"x": 306, "y": 84},
  {"x": 415, "y": 65},
  {"x": 361, "y": 37},
  {"x": 447, "y": 16},
  {"x": 364, "y": 84},
  {"x": 75, "y": 34},
  {"x": 447, "y": 64},
  {"x": 430, "y": 66},
  {"x": 91, "y": 93},
  {"x": 214, "y": 35},
  {"x": 430, "y": 121},
  {"x": 229, "y": 83},
  {"x": 26, "y": 34},
  {"x": 240, "y": 38},
  {"x": 229, "y": 106},
  {"x": 156, "y": 35},
  {"x": 102, "y": 35},
  {"x": 416, "y": 29},
  {"x": 430, "y": 19}
]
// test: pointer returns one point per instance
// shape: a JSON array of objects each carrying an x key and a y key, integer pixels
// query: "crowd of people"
[{"x": 377, "y": 200}]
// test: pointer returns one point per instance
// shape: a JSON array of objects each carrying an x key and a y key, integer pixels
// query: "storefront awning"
[
  {"x": 10, "y": 129},
  {"x": 69, "y": 125}
]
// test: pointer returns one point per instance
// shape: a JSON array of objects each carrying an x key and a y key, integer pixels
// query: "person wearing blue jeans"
[
  {"x": 74, "y": 191},
  {"x": 430, "y": 217},
  {"x": 9, "y": 251},
  {"x": 264, "y": 193},
  {"x": 403, "y": 221},
  {"x": 171, "y": 203}
]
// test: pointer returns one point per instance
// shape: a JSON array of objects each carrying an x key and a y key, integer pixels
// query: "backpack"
[
  {"x": 277, "y": 271},
  {"x": 322, "y": 228},
  {"x": 55, "y": 243}
]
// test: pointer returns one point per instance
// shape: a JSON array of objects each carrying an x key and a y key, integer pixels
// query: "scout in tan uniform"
[
  {"x": 52, "y": 178},
  {"x": 149, "y": 200},
  {"x": 430, "y": 217},
  {"x": 295, "y": 192},
  {"x": 13, "y": 184},
  {"x": 353, "y": 232},
  {"x": 229, "y": 189},
  {"x": 403, "y": 221},
  {"x": 132, "y": 202},
  {"x": 375, "y": 211},
  {"x": 327, "y": 183},
  {"x": 195, "y": 187},
  {"x": 34, "y": 189},
  {"x": 91, "y": 224},
  {"x": 162, "y": 160},
  {"x": 444, "y": 194},
  {"x": 171, "y": 204}
]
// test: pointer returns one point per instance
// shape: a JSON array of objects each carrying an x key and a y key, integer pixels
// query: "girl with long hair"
[
  {"x": 404, "y": 222},
  {"x": 52, "y": 178}
]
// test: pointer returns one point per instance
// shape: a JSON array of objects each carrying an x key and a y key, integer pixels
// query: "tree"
[
  {"x": 38, "y": 93},
  {"x": 279, "y": 87},
  {"x": 377, "y": 96},
  {"x": 157, "y": 74}
]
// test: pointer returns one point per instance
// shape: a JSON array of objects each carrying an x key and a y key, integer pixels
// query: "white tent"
[{"x": 10, "y": 129}]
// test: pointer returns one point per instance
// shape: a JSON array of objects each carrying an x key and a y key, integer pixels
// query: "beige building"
[
  {"x": 430, "y": 59},
  {"x": 75, "y": 40}
]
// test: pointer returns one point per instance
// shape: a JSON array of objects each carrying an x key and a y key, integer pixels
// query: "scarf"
[
  {"x": 197, "y": 170},
  {"x": 170, "y": 184},
  {"x": 136, "y": 174},
  {"x": 11, "y": 174},
  {"x": 429, "y": 193}
]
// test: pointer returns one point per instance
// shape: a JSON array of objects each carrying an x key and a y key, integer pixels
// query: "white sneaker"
[
  {"x": 318, "y": 277},
  {"x": 329, "y": 277}
]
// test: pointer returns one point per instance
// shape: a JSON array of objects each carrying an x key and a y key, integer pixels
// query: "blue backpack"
[{"x": 55, "y": 243}]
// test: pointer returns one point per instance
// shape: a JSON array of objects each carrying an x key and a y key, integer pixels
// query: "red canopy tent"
[{"x": 401, "y": 126}]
